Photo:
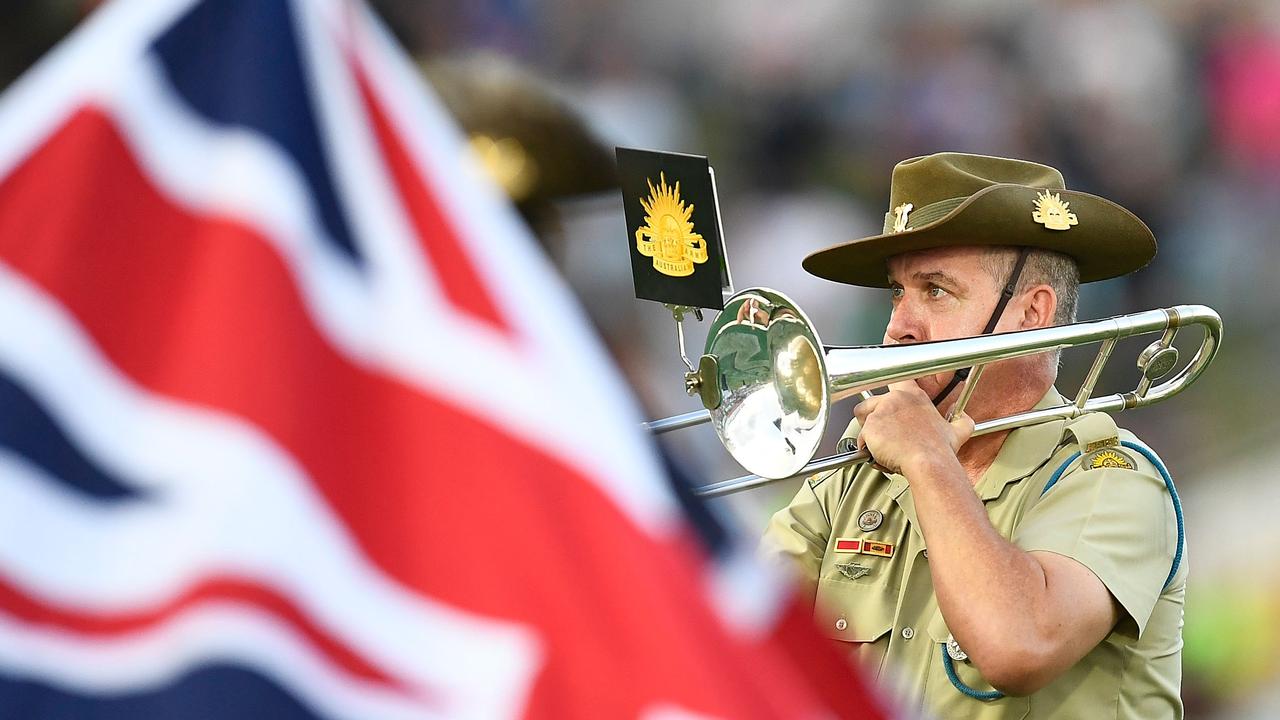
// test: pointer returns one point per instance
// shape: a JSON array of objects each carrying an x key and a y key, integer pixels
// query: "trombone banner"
[{"x": 673, "y": 228}]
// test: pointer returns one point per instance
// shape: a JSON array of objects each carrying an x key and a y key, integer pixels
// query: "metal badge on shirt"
[
  {"x": 870, "y": 520},
  {"x": 852, "y": 570}
]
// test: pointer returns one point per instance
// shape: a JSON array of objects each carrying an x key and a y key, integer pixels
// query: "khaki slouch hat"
[{"x": 958, "y": 199}]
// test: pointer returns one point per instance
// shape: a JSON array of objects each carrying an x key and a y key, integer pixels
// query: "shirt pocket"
[
  {"x": 947, "y": 700},
  {"x": 858, "y": 614}
]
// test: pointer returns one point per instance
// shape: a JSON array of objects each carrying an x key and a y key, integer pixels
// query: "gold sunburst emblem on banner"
[
  {"x": 667, "y": 235},
  {"x": 1053, "y": 212}
]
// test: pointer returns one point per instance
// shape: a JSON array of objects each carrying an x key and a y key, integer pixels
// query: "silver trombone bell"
[{"x": 770, "y": 372}]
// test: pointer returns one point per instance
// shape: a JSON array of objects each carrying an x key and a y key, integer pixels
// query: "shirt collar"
[{"x": 1023, "y": 451}]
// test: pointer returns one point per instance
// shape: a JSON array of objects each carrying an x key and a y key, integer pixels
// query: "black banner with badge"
[{"x": 673, "y": 228}]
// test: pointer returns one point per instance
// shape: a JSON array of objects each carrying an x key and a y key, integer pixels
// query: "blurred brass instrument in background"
[{"x": 767, "y": 382}]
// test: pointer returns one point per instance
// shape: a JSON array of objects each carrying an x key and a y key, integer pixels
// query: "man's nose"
[{"x": 905, "y": 324}]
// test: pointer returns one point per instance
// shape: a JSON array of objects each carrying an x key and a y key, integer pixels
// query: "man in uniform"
[{"x": 1032, "y": 573}]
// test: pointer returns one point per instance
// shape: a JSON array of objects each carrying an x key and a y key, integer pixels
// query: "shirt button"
[
  {"x": 841, "y": 624},
  {"x": 908, "y": 633}
]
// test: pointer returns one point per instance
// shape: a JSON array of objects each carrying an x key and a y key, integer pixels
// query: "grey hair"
[{"x": 1043, "y": 267}]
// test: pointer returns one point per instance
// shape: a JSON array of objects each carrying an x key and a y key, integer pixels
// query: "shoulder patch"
[{"x": 1108, "y": 458}]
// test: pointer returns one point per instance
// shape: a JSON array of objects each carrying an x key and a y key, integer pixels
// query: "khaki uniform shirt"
[{"x": 873, "y": 588}]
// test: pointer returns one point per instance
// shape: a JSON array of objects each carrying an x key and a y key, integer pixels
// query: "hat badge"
[
  {"x": 900, "y": 216},
  {"x": 1053, "y": 212}
]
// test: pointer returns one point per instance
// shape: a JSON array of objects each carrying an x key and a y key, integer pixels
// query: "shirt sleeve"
[
  {"x": 1117, "y": 522},
  {"x": 799, "y": 532}
]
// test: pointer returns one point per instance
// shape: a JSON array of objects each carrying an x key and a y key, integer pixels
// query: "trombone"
[{"x": 767, "y": 382}]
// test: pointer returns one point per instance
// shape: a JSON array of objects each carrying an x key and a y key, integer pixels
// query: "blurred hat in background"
[{"x": 530, "y": 140}]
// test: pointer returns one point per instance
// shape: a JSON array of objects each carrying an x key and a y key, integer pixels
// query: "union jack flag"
[{"x": 281, "y": 377}]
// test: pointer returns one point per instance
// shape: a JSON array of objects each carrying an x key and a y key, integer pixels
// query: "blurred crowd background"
[{"x": 1170, "y": 107}]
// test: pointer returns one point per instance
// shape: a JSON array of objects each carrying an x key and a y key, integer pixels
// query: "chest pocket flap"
[{"x": 854, "y": 612}]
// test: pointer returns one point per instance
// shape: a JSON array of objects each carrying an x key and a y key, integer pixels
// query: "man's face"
[{"x": 939, "y": 295}]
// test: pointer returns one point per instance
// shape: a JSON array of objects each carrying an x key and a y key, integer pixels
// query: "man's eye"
[
  {"x": 896, "y": 292},
  {"x": 936, "y": 292}
]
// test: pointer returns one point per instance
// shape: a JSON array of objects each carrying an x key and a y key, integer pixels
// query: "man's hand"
[
  {"x": 1024, "y": 618},
  {"x": 903, "y": 429}
]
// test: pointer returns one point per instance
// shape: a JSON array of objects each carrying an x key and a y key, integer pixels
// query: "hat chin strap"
[{"x": 1005, "y": 296}]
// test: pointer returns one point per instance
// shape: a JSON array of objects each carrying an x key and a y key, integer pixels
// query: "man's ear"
[{"x": 1040, "y": 307}]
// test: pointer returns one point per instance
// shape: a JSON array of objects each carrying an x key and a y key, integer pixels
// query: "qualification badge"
[{"x": 852, "y": 570}]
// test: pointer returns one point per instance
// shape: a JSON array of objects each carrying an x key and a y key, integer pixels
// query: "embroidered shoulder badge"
[{"x": 1108, "y": 459}]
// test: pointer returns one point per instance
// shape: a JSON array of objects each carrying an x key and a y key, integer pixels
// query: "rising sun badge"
[
  {"x": 1052, "y": 212},
  {"x": 1109, "y": 459},
  {"x": 667, "y": 235}
]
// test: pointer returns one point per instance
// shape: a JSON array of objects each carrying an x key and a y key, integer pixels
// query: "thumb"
[{"x": 961, "y": 429}]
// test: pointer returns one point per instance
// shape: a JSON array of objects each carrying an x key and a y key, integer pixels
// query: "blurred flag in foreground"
[{"x": 295, "y": 422}]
